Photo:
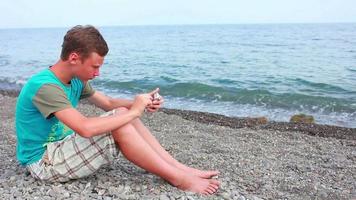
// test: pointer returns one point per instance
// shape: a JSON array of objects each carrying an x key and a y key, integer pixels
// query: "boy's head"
[
  {"x": 83, "y": 40},
  {"x": 84, "y": 49}
]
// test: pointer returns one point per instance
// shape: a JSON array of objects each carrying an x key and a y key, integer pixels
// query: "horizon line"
[{"x": 178, "y": 24}]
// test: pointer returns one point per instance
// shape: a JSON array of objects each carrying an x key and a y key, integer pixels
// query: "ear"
[{"x": 74, "y": 58}]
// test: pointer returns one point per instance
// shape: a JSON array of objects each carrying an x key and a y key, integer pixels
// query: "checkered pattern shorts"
[{"x": 75, "y": 157}]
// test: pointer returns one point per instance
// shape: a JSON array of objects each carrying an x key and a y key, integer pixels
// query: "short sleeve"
[
  {"x": 88, "y": 90},
  {"x": 49, "y": 99}
]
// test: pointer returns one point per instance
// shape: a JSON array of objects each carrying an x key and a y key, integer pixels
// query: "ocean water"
[{"x": 272, "y": 70}]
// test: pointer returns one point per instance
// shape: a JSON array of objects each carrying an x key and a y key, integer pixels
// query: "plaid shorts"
[{"x": 75, "y": 157}]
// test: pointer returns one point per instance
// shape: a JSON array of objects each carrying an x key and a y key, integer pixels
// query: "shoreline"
[{"x": 320, "y": 130}]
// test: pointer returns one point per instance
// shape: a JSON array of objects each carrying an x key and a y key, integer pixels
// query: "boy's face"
[{"x": 88, "y": 68}]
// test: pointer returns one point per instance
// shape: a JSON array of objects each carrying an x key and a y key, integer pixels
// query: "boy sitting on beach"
[{"x": 57, "y": 143}]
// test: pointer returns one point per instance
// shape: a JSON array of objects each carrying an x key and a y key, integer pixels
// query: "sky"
[{"x": 66, "y": 13}]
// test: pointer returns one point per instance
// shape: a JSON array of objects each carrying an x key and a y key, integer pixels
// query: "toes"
[
  {"x": 212, "y": 173},
  {"x": 214, "y": 186},
  {"x": 209, "y": 191},
  {"x": 216, "y": 172},
  {"x": 215, "y": 182}
]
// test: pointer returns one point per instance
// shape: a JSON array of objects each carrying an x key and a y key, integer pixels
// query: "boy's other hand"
[{"x": 156, "y": 103}]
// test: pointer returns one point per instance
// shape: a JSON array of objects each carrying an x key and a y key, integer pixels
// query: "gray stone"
[
  {"x": 322, "y": 194},
  {"x": 113, "y": 190},
  {"x": 189, "y": 197},
  {"x": 57, "y": 189},
  {"x": 256, "y": 198},
  {"x": 46, "y": 197},
  {"x": 51, "y": 193},
  {"x": 101, "y": 192},
  {"x": 87, "y": 186},
  {"x": 66, "y": 194},
  {"x": 241, "y": 197},
  {"x": 164, "y": 197}
]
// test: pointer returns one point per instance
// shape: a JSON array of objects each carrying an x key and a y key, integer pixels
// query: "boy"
[{"x": 57, "y": 143}]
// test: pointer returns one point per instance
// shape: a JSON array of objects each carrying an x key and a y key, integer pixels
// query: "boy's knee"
[{"x": 124, "y": 133}]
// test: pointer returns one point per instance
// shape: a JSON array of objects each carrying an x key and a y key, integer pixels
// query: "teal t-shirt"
[{"x": 36, "y": 126}]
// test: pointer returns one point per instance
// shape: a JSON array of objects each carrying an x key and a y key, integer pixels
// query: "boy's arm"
[
  {"x": 88, "y": 127},
  {"x": 107, "y": 103}
]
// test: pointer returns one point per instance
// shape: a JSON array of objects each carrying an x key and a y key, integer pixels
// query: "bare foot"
[
  {"x": 199, "y": 185},
  {"x": 196, "y": 172},
  {"x": 201, "y": 173}
]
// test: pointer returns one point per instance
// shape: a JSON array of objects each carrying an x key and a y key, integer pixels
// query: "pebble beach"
[{"x": 256, "y": 161}]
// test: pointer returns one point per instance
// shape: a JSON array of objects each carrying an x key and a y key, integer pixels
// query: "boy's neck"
[{"x": 62, "y": 71}]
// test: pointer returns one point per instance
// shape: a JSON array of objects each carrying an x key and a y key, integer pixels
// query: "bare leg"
[
  {"x": 152, "y": 141},
  {"x": 138, "y": 151}
]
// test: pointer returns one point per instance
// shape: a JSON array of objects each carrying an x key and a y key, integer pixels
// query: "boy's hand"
[
  {"x": 142, "y": 101},
  {"x": 156, "y": 103}
]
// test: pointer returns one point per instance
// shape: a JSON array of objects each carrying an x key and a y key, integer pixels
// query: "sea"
[{"x": 242, "y": 70}]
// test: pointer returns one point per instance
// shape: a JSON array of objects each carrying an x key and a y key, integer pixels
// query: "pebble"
[
  {"x": 87, "y": 186},
  {"x": 12, "y": 178},
  {"x": 189, "y": 197},
  {"x": 241, "y": 197},
  {"x": 66, "y": 194},
  {"x": 256, "y": 198},
  {"x": 101, "y": 192},
  {"x": 164, "y": 197},
  {"x": 225, "y": 195}
]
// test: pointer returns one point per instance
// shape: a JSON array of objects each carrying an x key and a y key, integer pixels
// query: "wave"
[
  {"x": 229, "y": 101},
  {"x": 319, "y": 86},
  {"x": 351, "y": 69},
  {"x": 226, "y": 91},
  {"x": 11, "y": 84},
  {"x": 4, "y": 60},
  {"x": 210, "y": 93}
]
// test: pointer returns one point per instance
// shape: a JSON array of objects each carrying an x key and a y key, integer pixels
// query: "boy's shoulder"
[
  {"x": 42, "y": 76},
  {"x": 36, "y": 82}
]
